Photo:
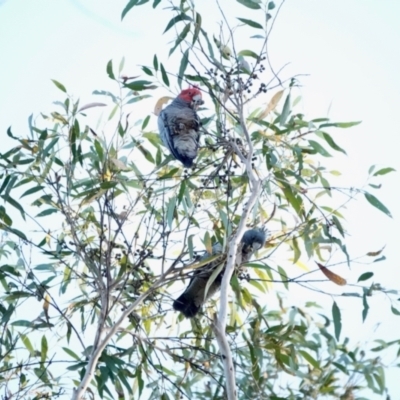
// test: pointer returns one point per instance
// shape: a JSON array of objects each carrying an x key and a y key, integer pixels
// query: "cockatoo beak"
[{"x": 197, "y": 101}]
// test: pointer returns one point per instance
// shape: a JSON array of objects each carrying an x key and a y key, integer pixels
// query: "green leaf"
[
  {"x": 164, "y": 75},
  {"x": 183, "y": 66},
  {"x": 296, "y": 249},
  {"x": 145, "y": 122},
  {"x": 271, "y": 5},
  {"x": 310, "y": 359},
  {"x": 27, "y": 343},
  {"x": 108, "y": 184},
  {"x": 128, "y": 7},
  {"x": 332, "y": 143},
  {"x": 340, "y": 124},
  {"x": 338, "y": 224},
  {"x": 147, "y": 71},
  {"x": 197, "y": 28},
  {"x": 138, "y": 98},
  {"x": 207, "y": 242},
  {"x": 337, "y": 320},
  {"x": 251, "y": 23},
  {"x": 146, "y": 153},
  {"x": 376, "y": 203},
  {"x": 121, "y": 64},
  {"x": 5, "y": 217},
  {"x": 284, "y": 277},
  {"x": 22, "y": 322},
  {"x": 59, "y": 85},
  {"x": 178, "y": 18},
  {"x": 71, "y": 353},
  {"x": 139, "y": 85},
  {"x": 155, "y": 62},
  {"x": 15, "y": 204},
  {"x": 249, "y": 4},
  {"x": 395, "y": 311},
  {"x": 180, "y": 38},
  {"x": 49, "y": 211},
  {"x": 285, "y": 111},
  {"x": 22, "y": 235},
  {"x": 365, "y": 306},
  {"x": 99, "y": 149},
  {"x": 9, "y": 133},
  {"x": 248, "y": 53},
  {"x": 44, "y": 348},
  {"x": 384, "y": 171},
  {"x": 365, "y": 276},
  {"x": 110, "y": 70},
  {"x": 31, "y": 190},
  {"x": 318, "y": 148},
  {"x": 170, "y": 211},
  {"x": 212, "y": 278}
]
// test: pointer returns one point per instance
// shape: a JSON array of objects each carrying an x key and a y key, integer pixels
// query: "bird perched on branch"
[
  {"x": 195, "y": 295},
  {"x": 179, "y": 125}
]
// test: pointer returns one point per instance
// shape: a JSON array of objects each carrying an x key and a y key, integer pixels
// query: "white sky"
[{"x": 350, "y": 49}]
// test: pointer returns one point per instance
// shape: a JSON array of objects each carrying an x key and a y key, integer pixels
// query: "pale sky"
[{"x": 349, "y": 49}]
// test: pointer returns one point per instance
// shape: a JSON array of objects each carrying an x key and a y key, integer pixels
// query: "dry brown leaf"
[
  {"x": 119, "y": 164},
  {"x": 227, "y": 94},
  {"x": 46, "y": 305},
  {"x": 91, "y": 105},
  {"x": 332, "y": 276},
  {"x": 271, "y": 105},
  {"x": 159, "y": 105},
  {"x": 375, "y": 253}
]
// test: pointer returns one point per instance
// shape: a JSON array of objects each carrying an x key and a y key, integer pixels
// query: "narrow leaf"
[
  {"x": 285, "y": 111},
  {"x": 207, "y": 242},
  {"x": 128, "y": 7},
  {"x": 197, "y": 28},
  {"x": 71, "y": 353},
  {"x": 376, "y": 203},
  {"x": 59, "y": 85},
  {"x": 340, "y": 124},
  {"x": 310, "y": 359},
  {"x": 318, "y": 148},
  {"x": 44, "y": 348},
  {"x": 155, "y": 62},
  {"x": 332, "y": 276},
  {"x": 170, "y": 211},
  {"x": 164, "y": 75},
  {"x": 249, "y": 4},
  {"x": 365, "y": 306},
  {"x": 395, "y": 311},
  {"x": 173, "y": 21},
  {"x": 384, "y": 171},
  {"x": 183, "y": 66},
  {"x": 251, "y": 23},
  {"x": 337, "y": 320},
  {"x": 332, "y": 143},
  {"x": 110, "y": 70},
  {"x": 248, "y": 53},
  {"x": 28, "y": 344},
  {"x": 365, "y": 276},
  {"x": 91, "y": 105}
]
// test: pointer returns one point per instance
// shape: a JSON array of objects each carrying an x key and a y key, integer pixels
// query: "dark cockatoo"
[
  {"x": 191, "y": 300},
  {"x": 179, "y": 126}
]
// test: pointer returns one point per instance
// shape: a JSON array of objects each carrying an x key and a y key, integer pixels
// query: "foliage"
[{"x": 98, "y": 225}]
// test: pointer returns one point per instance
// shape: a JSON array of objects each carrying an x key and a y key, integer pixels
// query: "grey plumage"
[
  {"x": 191, "y": 300},
  {"x": 179, "y": 126}
]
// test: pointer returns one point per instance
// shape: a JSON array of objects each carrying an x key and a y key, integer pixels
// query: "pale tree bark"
[
  {"x": 100, "y": 344},
  {"x": 219, "y": 322}
]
